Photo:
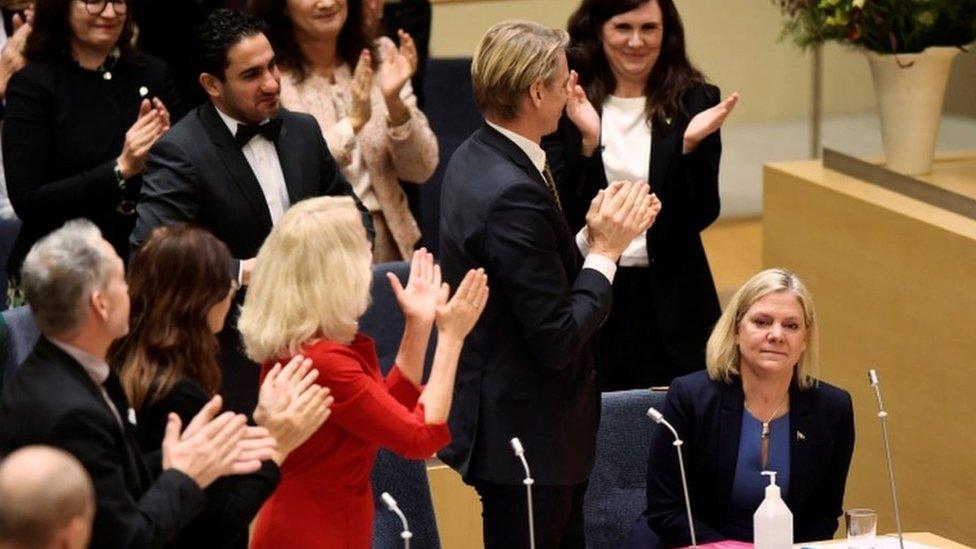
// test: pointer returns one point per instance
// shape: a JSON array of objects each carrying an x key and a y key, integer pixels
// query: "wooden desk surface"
[{"x": 956, "y": 173}]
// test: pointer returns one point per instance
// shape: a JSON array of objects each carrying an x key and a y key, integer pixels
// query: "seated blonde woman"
[
  {"x": 309, "y": 287},
  {"x": 359, "y": 92},
  {"x": 757, "y": 407}
]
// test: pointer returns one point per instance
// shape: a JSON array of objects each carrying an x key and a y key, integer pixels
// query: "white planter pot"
[{"x": 910, "y": 104}]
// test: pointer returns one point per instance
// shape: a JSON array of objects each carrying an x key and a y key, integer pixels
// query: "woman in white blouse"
[
  {"x": 359, "y": 91},
  {"x": 638, "y": 110}
]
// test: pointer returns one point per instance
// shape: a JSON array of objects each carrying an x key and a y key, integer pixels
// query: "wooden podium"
[{"x": 893, "y": 276}]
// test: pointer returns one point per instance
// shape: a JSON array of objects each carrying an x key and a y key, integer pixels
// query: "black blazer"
[
  {"x": 527, "y": 368},
  {"x": 51, "y": 400},
  {"x": 64, "y": 129},
  {"x": 708, "y": 417},
  {"x": 196, "y": 173},
  {"x": 680, "y": 282},
  {"x": 232, "y": 501}
]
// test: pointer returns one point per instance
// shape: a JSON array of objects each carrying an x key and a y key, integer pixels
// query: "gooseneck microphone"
[
  {"x": 659, "y": 419},
  {"x": 883, "y": 416},
  {"x": 520, "y": 453},
  {"x": 391, "y": 504}
]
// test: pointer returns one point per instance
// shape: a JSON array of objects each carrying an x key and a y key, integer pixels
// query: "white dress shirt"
[
  {"x": 626, "y": 135},
  {"x": 262, "y": 156},
  {"x": 598, "y": 262}
]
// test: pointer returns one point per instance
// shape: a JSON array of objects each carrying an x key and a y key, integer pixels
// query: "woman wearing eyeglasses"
[{"x": 81, "y": 117}]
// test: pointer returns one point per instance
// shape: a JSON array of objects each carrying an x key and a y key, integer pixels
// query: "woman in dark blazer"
[
  {"x": 757, "y": 407},
  {"x": 640, "y": 111},
  {"x": 80, "y": 119},
  {"x": 181, "y": 290}
]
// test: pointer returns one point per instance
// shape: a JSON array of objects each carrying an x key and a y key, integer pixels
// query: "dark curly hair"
[
  {"x": 671, "y": 76},
  {"x": 353, "y": 38},
  {"x": 51, "y": 37},
  {"x": 222, "y": 30}
]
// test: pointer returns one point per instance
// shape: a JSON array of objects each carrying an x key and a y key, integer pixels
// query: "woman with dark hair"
[
  {"x": 181, "y": 290},
  {"x": 639, "y": 110},
  {"x": 81, "y": 117},
  {"x": 367, "y": 110}
]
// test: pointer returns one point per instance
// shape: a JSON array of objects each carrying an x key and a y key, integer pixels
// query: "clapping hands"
[
  {"x": 152, "y": 123},
  {"x": 457, "y": 317},
  {"x": 707, "y": 122},
  {"x": 424, "y": 292},
  {"x": 291, "y": 406},
  {"x": 582, "y": 114}
]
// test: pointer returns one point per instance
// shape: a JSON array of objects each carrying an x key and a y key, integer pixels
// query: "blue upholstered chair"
[
  {"x": 405, "y": 480},
  {"x": 616, "y": 494},
  {"x": 21, "y": 335}
]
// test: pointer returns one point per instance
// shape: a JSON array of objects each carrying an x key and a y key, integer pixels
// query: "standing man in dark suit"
[
  {"x": 527, "y": 369},
  {"x": 65, "y": 395},
  {"x": 235, "y": 164}
]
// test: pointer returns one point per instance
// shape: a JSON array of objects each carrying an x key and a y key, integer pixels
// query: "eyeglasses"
[{"x": 96, "y": 7}]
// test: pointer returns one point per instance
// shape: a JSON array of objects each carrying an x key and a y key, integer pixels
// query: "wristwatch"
[{"x": 117, "y": 170}]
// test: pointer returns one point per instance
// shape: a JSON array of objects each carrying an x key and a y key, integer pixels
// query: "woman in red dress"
[{"x": 308, "y": 289}]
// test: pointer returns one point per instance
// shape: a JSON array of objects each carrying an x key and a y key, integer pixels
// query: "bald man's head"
[{"x": 46, "y": 499}]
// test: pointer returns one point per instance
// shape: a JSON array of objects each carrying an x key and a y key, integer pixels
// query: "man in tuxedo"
[
  {"x": 65, "y": 395},
  {"x": 234, "y": 165},
  {"x": 46, "y": 500},
  {"x": 527, "y": 368}
]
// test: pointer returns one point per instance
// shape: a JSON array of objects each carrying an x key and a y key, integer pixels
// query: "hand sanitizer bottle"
[{"x": 773, "y": 522}]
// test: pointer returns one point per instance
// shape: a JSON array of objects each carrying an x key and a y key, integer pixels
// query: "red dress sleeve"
[
  {"x": 402, "y": 389},
  {"x": 384, "y": 413}
]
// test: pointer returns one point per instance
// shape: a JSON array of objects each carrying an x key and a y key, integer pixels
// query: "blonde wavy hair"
[
  {"x": 511, "y": 57},
  {"x": 311, "y": 280},
  {"x": 722, "y": 351}
]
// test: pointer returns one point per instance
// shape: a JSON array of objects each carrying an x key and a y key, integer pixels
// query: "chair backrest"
[
  {"x": 453, "y": 116},
  {"x": 22, "y": 334},
  {"x": 405, "y": 480},
  {"x": 616, "y": 494}
]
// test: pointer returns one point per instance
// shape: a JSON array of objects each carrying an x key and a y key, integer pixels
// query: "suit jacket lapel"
[
  {"x": 234, "y": 162},
  {"x": 291, "y": 165},
  {"x": 494, "y": 138},
  {"x": 133, "y": 468},
  {"x": 729, "y": 430},
  {"x": 802, "y": 425}
]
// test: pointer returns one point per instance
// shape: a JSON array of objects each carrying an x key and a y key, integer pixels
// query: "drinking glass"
[{"x": 862, "y": 526}]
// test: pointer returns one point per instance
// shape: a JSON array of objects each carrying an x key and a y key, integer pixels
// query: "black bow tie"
[{"x": 269, "y": 130}]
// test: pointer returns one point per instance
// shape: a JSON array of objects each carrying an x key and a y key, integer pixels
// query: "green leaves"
[{"x": 884, "y": 26}]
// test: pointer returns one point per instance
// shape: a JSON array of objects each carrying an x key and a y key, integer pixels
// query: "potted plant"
[{"x": 910, "y": 45}]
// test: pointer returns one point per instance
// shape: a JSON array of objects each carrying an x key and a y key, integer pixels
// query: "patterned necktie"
[{"x": 551, "y": 186}]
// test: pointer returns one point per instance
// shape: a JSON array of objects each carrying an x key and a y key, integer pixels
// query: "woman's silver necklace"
[{"x": 766, "y": 431}]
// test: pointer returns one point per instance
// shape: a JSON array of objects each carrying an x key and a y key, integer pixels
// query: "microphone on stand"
[
  {"x": 391, "y": 504},
  {"x": 659, "y": 419},
  {"x": 520, "y": 453},
  {"x": 883, "y": 416}
]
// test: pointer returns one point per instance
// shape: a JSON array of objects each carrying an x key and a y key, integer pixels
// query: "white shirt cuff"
[
  {"x": 601, "y": 264},
  {"x": 581, "y": 241}
]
